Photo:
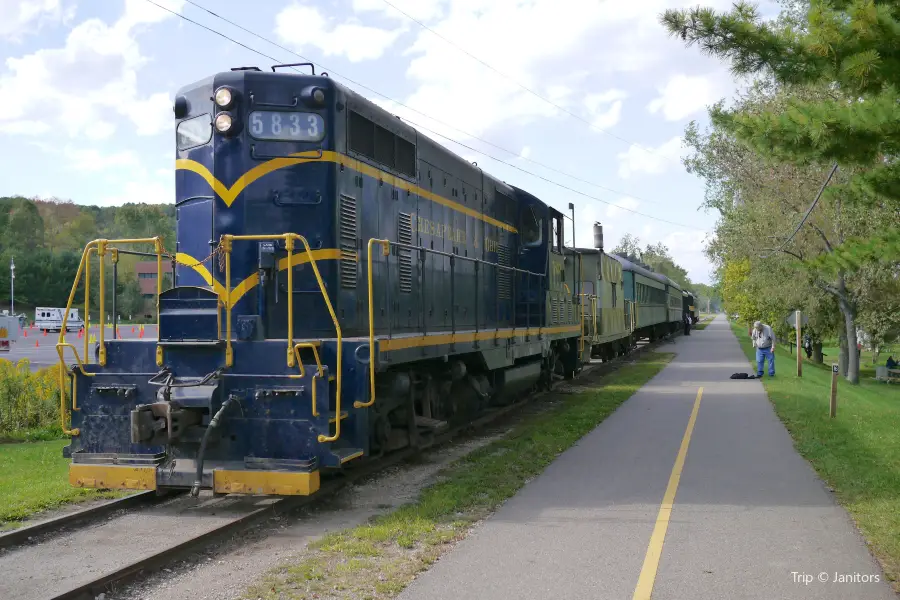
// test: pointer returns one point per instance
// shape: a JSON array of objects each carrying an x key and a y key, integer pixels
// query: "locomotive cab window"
[
  {"x": 530, "y": 227},
  {"x": 193, "y": 132},
  {"x": 557, "y": 234}
]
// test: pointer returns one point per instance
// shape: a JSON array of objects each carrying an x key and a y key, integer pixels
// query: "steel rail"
[{"x": 18, "y": 537}]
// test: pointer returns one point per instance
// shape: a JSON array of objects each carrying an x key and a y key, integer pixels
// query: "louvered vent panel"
[
  {"x": 504, "y": 277},
  {"x": 405, "y": 236},
  {"x": 555, "y": 309},
  {"x": 348, "y": 237}
]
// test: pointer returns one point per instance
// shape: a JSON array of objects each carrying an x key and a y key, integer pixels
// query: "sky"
[{"x": 581, "y": 101}]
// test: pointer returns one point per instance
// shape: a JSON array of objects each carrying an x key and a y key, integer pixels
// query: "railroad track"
[
  {"x": 23, "y": 535},
  {"x": 119, "y": 576}
]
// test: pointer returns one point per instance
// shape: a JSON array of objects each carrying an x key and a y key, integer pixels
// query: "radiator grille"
[
  {"x": 348, "y": 241},
  {"x": 404, "y": 256},
  {"x": 504, "y": 277}
]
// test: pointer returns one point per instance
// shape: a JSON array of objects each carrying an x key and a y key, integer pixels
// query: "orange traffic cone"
[
  {"x": 25, "y": 333},
  {"x": 36, "y": 344},
  {"x": 45, "y": 333},
  {"x": 132, "y": 330}
]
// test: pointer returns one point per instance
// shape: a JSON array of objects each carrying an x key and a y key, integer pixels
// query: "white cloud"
[
  {"x": 298, "y": 25},
  {"x": 139, "y": 12},
  {"x": 24, "y": 128},
  {"x": 88, "y": 82},
  {"x": 605, "y": 109},
  {"x": 652, "y": 161},
  {"x": 93, "y": 160},
  {"x": 472, "y": 97},
  {"x": 152, "y": 115},
  {"x": 20, "y": 17},
  {"x": 526, "y": 152},
  {"x": 683, "y": 96},
  {"x": 616, "y": 208},
  {"x": 421, "y": 10},
  {"x": 686, "y": 247},
  {"x": 141, "y": 186}
]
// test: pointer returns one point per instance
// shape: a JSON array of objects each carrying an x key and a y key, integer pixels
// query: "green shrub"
[{"x": 29, "y": 401}]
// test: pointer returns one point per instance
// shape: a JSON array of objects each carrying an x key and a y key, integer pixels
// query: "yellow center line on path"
[{"x": 644, "y": 588}]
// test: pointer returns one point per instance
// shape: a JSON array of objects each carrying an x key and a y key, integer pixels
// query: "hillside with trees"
[{"x": 46, "y": 239}]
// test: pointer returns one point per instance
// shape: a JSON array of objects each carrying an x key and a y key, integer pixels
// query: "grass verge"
[
  {"x": 379, "y": 559},
  {"x": 33, "y": 477},
  {"x": 857, "y": 453},
  {"x": 701, "y": 325}
]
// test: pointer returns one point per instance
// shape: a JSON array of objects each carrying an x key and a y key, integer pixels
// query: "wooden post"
[
  {"x": 799, "y": 360},
  {"x": 832, "y": 412}
]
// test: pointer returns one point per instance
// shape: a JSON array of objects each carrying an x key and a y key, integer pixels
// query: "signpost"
[{"x": 832, "y": 412}]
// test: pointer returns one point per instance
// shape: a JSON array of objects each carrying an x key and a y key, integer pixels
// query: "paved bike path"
[{"x": 749, "y": 519}]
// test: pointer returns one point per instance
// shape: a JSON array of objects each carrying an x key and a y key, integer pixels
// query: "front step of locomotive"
[{"x": 258, "y": 427}]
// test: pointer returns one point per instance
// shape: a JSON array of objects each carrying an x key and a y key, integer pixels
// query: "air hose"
[{"x": 198, "y": 479}]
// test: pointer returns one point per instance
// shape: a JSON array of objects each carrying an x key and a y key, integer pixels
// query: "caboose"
[{"x": 344, "y": 287}]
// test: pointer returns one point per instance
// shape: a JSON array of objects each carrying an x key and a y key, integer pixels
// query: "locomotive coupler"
[{"x": 180, "y": 405}]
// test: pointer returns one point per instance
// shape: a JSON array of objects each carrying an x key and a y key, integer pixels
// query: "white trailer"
[
  {"x": 9, "y": 332},
  {"x": 50, "y": 319}
]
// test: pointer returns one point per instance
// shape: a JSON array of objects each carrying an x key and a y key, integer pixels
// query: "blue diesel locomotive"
[{"x": 344, "y": 287}]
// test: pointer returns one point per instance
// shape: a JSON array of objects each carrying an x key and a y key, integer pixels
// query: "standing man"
[
  {"x": 687, "y": 323},
  {"x": 764, "y": 342}
]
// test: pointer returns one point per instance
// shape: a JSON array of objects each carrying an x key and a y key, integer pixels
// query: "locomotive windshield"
[{"x": 194, "y": 132}]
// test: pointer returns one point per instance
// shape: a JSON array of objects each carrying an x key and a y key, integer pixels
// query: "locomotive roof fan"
[{"x": 598, "y": 236}]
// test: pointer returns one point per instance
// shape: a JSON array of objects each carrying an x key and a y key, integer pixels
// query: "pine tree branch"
[{"x": 822, "y": 235}]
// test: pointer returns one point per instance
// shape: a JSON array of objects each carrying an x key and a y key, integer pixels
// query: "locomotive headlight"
[
  {"x": 313, "y": 95},
  {"x": 224, "y": 97},
  {"x": 224, "y": 122}
]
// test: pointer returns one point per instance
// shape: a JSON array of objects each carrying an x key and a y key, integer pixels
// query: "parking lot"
[{"x": 40, "y": 349}]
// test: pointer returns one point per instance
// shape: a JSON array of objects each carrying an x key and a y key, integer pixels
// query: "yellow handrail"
[
  {"x": 99, "y": 247},
  {"x": 63, "y": 372},
  {"x": 101, "y": 254},
  {"x": 157, "y": 247},
  {"x": 289, "y": 239},
  {"x": 62, "y": 402},
  {"x": 386, "y": 249},
  {"x": 318, "y": 375},
  {"x": 581, "y": 339},
  {"x": 225, "y": 246},
  {"x": 315, "y": 350},
  {"x": 87, "y": 293},
  {"x": 59, "y": 351}
]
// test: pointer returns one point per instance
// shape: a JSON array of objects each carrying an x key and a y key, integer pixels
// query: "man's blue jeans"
[{"x": 761, "y": 355}]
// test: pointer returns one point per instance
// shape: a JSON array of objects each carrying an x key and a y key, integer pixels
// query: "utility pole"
[{"x": 12, "y": 287}]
